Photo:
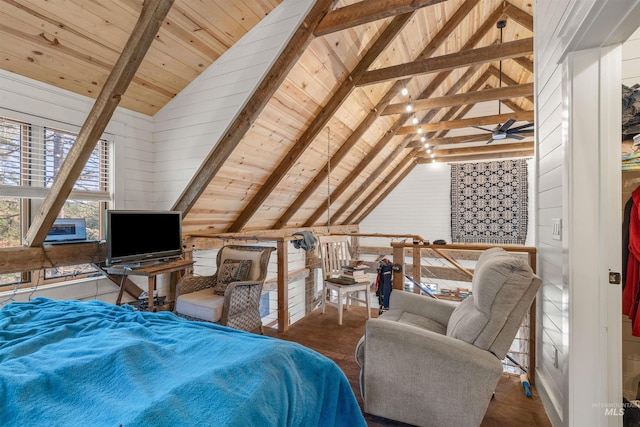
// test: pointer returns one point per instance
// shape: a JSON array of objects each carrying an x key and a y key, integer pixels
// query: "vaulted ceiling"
[{"x": 335, "y": 137}]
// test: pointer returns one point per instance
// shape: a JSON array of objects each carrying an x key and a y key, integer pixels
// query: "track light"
[
  {"x": 415, "y": 120},
  {"x": 428, "y": 149},
  {"x": 423, "y": 139},
  {"x": 404, "y": 91},
  {"x": 419, "y": 130},
  {"x": 409, "y": 107}
]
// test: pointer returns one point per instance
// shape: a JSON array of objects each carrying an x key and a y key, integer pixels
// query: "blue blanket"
[{"x": 71, "y": 363}]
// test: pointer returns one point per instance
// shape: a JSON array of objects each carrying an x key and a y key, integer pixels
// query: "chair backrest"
[
  {"x": 335, "y": 252},
  {"x": 504, "y": 287},
  {"x": 259, "y": 255}
]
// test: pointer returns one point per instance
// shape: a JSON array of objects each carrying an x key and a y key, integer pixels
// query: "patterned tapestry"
[{"x": 489, "y": 202}]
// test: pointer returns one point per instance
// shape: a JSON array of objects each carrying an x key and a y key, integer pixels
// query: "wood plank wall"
[
  {"x": 188, "y": 127},
  {"x": 553, "y": 379}
]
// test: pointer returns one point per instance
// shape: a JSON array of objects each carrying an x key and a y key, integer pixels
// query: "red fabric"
[{"x": 630, "y": 295}]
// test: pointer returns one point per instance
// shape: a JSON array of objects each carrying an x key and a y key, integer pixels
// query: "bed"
[{"x": 68, "y": 363}]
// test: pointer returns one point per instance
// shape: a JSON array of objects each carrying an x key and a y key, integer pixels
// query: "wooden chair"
[
  {"x": 335, "y": 252},
  {"x": 226, "y": 300}
]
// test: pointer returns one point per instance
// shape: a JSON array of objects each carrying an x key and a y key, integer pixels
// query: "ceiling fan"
[{"x": 504, "y": 131}]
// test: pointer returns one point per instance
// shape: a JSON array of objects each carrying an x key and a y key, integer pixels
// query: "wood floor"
[{"x": 321, "y": 332}]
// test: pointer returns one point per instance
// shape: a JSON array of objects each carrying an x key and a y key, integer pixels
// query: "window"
[{"x": 30, "y": 157}]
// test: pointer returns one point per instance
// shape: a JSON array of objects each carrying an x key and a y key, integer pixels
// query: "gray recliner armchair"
[{"x": 429, "y": 362}]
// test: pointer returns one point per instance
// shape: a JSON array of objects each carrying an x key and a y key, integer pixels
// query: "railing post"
[
  {"x": 398, "y": 258},
  {"x": 417, "y": 274},
  {"x": 283, "y": 286}
]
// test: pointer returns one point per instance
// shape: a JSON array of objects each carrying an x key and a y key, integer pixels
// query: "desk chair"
[{"x": 335, "y": 252}]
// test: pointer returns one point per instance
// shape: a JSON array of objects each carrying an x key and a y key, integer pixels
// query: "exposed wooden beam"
[
  {"x": 464, "y": 58},
  {"x": 481, "y": 157},
  {"x": 319, "y": 122},
  {"x": 144, "y": 32},
  {"x": 497, "y": 14},
  {"x": 254, "y": 106},
  {"x": 487, "y": 148},
  {"x": 366, "y": 208},
  {"x": 447, "y": 140},
  {"x": 362, "y": 189},
  {"x": 368, "y": 183},
  {"x": 431, "y": 47},
  {"x": 519, "y": 15},
  {"x": 463, "y": 123},
  {"x": 19, "y": 259},
  {"x": 463, "y": 98},
  {"x": 367, "y": 11},
  {"x": 338, "y": 156}
]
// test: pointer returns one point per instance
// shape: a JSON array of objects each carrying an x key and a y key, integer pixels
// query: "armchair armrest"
[
  {"x": 420, "y": 305},
  {"x": 189, "y": 284},
  {"x": 451, "y": 371},
  {"x": 241, "y": 308}
]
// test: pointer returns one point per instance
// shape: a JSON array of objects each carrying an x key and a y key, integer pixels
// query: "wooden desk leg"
[
  {"x": 152, "y": 287},
  {"x": 121, "y": 291}
]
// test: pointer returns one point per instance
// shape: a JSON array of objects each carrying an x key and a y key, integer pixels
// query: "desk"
[{"x": 178, "y": 267}]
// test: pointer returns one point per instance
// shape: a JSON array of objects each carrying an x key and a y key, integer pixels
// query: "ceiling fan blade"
[
  {"x": 484, "y": 129},
  {"x": 521, "y": 128},
  {"x": 490, "y": 140},
  {"x": 514, "y": 136},
  {"x": 506, "y": 125}
]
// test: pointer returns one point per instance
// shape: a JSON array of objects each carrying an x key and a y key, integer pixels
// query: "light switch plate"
[{"x": 556, "y": 229}]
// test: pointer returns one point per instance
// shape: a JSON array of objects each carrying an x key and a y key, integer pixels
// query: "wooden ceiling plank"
[
  {"x": 480, "y": 157},
  {"x": 463, "y": 123},
  {"x": 143, "y": 34},
  {"x": 505, "y": 79},
  {"x": 497, "y": 14},
  {"x": 371, "y": 177},
  {"x": 357, "y": 171},
  {"x": 320, "y": 121},
  {"x": 366, "y": 208},
  {"x": 364, "y": 12},
  {"x": 335, "y": 159},
  {"x": 347, "y": 182},
  {"x": 451, "y": 61},
  {"x": 431, "y": 47},
  {"x": 267, "y": 87},
  {"x": 463, "y": 98},
  {"x": 524, "y": 62}
]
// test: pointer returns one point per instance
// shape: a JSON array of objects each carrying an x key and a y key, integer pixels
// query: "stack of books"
[{"x": 355, "y": 272}]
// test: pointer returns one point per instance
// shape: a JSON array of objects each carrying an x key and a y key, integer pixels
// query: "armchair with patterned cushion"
[
  {"x": 428, "y": 362},
  {"x": 231, "y": 297}
]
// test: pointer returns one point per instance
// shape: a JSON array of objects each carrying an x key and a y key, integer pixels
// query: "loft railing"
[{"x": 429, "y": 268}]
